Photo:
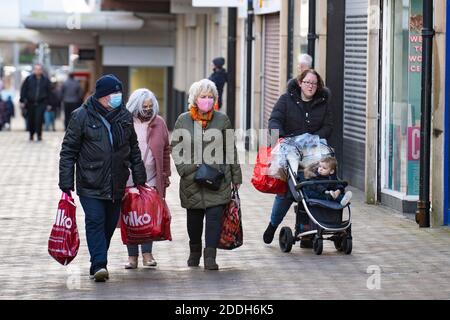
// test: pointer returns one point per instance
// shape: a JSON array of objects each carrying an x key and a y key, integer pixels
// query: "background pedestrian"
[
  {"x": 34, "y": 95},
  {"x": 219, "y": 77}
]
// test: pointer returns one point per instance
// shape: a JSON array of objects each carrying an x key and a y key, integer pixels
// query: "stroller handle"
[{"x": 310, "y": 183}]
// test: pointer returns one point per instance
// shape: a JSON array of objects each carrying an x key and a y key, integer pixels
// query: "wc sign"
[{"x": 413, "y": 143}]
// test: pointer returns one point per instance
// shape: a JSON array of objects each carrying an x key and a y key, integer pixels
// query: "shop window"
[
  {"x": 304, "y": 24},
  {"x": 403, "y": 97}
]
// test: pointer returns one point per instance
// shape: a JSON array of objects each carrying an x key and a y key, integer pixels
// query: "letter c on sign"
[{"x": 415, "y": 148}]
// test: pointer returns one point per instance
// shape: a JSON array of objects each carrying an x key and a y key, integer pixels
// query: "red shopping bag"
[
  {"x": 64, "y": 240},
  {"x": 231, "y": 234},
  {"x": 144, "y": 217},
  {"x": 261, "y": 180}
]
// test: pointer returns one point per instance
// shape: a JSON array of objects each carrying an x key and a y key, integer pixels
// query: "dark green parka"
[{"x": 187, "y": 138}]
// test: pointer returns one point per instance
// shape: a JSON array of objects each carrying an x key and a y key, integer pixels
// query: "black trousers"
[
  {"x": 195, "y": 219},
  {"x": 35, "y": 118},
  {"x": 68, "y": 109}
]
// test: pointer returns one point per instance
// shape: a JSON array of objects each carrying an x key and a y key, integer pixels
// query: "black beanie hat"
[
  {"x": 106, "y": 85},
  {"x": 219, "y": 62}
]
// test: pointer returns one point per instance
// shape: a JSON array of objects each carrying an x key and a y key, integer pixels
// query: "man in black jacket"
[
  {"x": 100, "y": 140},
  {"x": 219, "y": 77},
  {"x": 35, "y": 94}
]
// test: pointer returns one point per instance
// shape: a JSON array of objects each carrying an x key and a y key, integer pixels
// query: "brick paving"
[{"x": 413, "y": 262}]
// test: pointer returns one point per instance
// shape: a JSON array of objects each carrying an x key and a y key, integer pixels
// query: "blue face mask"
[{"x": 115, "y": 100}]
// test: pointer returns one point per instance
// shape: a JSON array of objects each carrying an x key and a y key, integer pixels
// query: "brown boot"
[
  {"x": 209, "y": 255},
  {"x": 195, "y": 255},
  {"x": 148, "y": 260},
  {"x": 132, "y": 263}
]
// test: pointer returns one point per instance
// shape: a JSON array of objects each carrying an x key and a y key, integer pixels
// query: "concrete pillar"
[
  {"x": 296, "y": 51},
  {"x": 321, "y": 45},
  {"x": 180, "y": 54},
  {"x": 283, "y": 45},
  {"x": 372, "y": 116},
  {"x": 438, "y": 117},
  {"x": 257, "y": 63},
  {"x": 98, "y": 63},
  {"x": 17, "y": 73},
  {"x": 240, "y": 72}
]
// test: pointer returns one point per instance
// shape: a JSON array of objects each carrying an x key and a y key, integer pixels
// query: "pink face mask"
[{"x": 205, "y": 104}]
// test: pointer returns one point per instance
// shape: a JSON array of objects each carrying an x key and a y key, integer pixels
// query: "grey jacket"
[{"x": 71, "y": 91}]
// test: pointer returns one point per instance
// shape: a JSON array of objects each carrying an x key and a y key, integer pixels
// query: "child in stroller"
[
  {"x": 325, "y": 169},
  {"x": 321, "y": 216}
]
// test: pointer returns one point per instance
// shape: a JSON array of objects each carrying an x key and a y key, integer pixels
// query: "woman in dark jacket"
[
  {"x": 199, "y": 134},
  {"x": 302, "y": 109}
]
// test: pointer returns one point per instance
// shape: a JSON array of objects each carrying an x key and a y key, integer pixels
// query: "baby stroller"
[{"x": 325, "y": 218}]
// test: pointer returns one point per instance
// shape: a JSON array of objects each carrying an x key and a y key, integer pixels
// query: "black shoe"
[
  {"x": 269, "y": 234},
  {"x": 39, "y": 138}
]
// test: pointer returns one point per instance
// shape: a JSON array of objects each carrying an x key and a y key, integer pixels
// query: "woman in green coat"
[{"x": 204, "y": 136}]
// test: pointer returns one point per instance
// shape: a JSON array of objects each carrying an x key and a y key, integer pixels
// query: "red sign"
[{"x": 413, "y": 143}]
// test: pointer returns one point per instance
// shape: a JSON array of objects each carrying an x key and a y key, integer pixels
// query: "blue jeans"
[
  {"x": 49, "y": 120},
  {"x": 101, "y": 217},
  {"x": 280, "y": 208},
  {"x": 133, "y": 250}
]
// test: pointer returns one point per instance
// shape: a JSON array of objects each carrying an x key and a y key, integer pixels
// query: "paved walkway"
[{"x": 413, "y": 263}]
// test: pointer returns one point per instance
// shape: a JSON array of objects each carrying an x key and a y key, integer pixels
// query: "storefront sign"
[
  {"x": 266, "y": 6},
  {"x": 185, "y": 7},
  {"x": 414, "y": 144},
  {"x": 414, "y": 94},
  {"x": 413, "y": 160},
  {"x": 222, "y": 3},
  {"x": 86, "y": 54}
]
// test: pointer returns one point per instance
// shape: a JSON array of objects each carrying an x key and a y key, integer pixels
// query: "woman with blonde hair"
[
  {"x": 198, "y": 134},
  {"x": 153, "y": 138}
]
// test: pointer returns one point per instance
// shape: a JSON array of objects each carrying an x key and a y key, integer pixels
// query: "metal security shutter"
[
  {"x": 355, "y": 70},
  {"x": 271, "y": 64}
]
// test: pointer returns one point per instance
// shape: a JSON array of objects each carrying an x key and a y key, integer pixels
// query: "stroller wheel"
[
  {"x": 318, "y": 245},
  {"x": 338, "y": 242},
  {"x": 347, "y": 245},
  {"x": 286, "y": 239}
]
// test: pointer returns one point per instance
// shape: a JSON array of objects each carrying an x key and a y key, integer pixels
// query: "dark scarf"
[{"x": 112, "y": 116}]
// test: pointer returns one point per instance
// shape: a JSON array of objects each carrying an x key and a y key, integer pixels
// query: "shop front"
[{"x": 401, "y": 104}]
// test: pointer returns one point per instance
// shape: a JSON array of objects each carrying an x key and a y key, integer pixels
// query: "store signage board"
[
  {"x": 220, "y": 4},
  {"x": 86, "y": 54},
  {"x": 266, "y": 6},
  {"x": 185, "y": 7},
  {"x": 414, "y": 94},
  {"x": 242, "y": 10}
]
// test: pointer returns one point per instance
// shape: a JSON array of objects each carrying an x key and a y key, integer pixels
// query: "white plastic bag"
[{"x": 308, "y": 149}]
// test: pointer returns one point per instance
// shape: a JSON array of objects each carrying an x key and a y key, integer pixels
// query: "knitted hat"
[
  {"x": 106, "y": 85},
  {"x": 219, "y": 62}
]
